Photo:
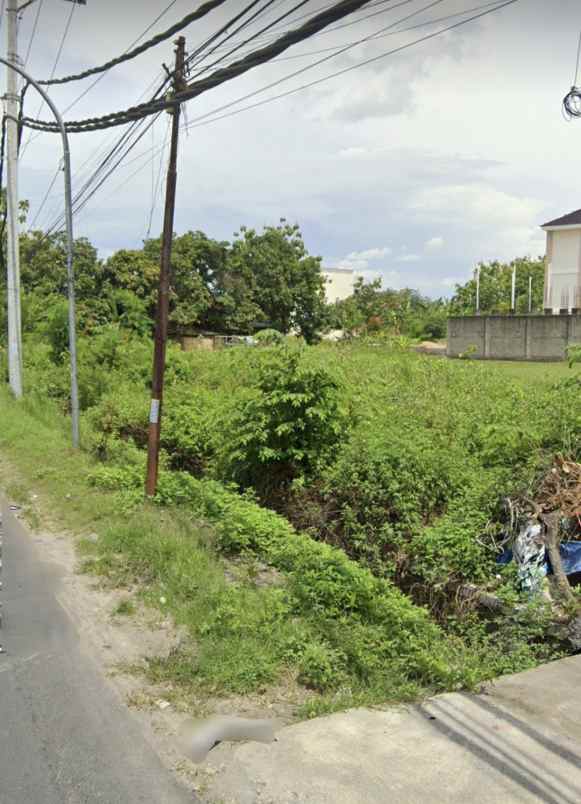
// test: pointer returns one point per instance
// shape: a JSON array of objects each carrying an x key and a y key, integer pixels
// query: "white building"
[
  {"x": 563, "y": 262},
  {"x": 340, "y": 283}
]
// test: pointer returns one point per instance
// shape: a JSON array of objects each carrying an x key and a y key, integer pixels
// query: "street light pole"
[
  {"x": 12, "y": 63},
  {"x": 69, "y": 228},
  {"x": 13, "y": 246}
]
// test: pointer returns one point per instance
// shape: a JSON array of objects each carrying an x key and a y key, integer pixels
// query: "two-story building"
[{"x": 563, "y": 263}]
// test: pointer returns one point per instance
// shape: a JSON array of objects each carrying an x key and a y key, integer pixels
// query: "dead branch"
[{"x": 552, "y": 542}]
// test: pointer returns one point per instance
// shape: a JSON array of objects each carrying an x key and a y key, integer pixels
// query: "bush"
[
  {"x": 269, "y": 337},
  {"x": 287, "y": 427},
  {"x": 386, "y": 486}
]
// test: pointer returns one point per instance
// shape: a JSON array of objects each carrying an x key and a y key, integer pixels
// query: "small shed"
[{"x": 563, "y": 263}]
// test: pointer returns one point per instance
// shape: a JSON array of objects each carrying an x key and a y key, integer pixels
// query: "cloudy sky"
[{"x": 412, "y": 167}]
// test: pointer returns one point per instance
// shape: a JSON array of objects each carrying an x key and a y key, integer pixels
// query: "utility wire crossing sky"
[{"x": 408, "y": 139}]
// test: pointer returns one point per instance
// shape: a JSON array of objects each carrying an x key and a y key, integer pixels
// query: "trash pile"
[{"x": 558, "y": 499}]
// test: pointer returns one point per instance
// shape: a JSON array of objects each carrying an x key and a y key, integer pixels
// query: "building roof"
[{"x": 572, "y": 219}]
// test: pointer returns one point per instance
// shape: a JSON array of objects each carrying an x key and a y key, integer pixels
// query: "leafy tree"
[
  {"x": 196, "y": 262},
  {"x": 406, "y": 311},
  {"x": 495, "y": 287},
  {"x": 287, "y": 284}
]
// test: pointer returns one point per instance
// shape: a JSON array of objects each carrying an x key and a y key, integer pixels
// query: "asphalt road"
[{"x": 65, "y": 738}]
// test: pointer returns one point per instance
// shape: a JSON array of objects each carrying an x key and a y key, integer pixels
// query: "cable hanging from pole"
[{"x": 572, "y": 100}]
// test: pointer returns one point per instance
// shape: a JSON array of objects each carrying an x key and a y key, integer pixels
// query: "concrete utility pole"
[
  {"x": 530, "y": 294},
  {"x": 13, "y": 247},
  {"x": 477, "y": 278},
  {"x": 163, "y": 292}
]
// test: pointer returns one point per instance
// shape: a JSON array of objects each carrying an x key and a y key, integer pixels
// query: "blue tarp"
[{"x": 570, "y": 557}]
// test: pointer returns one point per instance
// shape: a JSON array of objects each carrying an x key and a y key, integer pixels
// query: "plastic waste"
[{"x": 529, "y": 552}]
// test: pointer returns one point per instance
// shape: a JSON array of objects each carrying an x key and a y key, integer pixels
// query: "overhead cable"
[
  {"x": 200, "y": 12},
  {"x": 265, "y": 54},
  {"x": 572, "y": 100},
  {"x": 203, "y": 119}
]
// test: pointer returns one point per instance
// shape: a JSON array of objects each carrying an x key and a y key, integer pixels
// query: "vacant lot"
[{"x": 326, "y": 508}]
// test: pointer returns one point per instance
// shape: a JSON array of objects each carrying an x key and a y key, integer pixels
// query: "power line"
[
  {"x": 251, "y": 38},
  {"x": 33, "y": 34},
  {"x": 223, "y": 29},
  {"x": 317, "y": 63},
  {"x": 156, "y": 191},
  {"x": 201, "y": 121},
  {"x": 330, "y": 29},
  {"x": 392, "y": 33},
  {"x": 45, "y": 199},
  {"x": 337, "y": 27},
  {"x": 572, "y": 101},
  {"x": 56, "y": 61},
  {"x": 379, "y": 35},
  {"x": 261, "y": 56},
  {"x": 200, "y": 12},
  {"x": 102, "y": 75}
]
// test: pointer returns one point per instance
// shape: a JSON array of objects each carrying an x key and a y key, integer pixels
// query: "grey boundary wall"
[{"x": 513, "y": 337}]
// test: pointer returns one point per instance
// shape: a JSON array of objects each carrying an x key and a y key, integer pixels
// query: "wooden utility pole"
[{"x": 164, "y": 283}]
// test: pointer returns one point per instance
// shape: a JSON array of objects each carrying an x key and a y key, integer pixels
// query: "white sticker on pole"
[{"x": 154, "y": 412}]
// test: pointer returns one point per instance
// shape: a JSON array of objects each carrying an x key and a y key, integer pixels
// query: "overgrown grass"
[
  {"x": 168, "y": 554},
  {"x": 402, "y": 493}
]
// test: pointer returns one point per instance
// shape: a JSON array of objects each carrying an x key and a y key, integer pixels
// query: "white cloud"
[
  {"x": 370, "y": 254},
  {"x": 497, "y": 223},
  {"x": 408, "y": 258},
  {"x": 358, "y": 261},
  {"x": 434, "y": 244}
]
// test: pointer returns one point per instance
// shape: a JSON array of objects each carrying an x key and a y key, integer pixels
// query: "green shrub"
[
  {"x": 385, "y": 486},
  {"x": 287, "y": 427},
  {"x": 321, "y": 668}
]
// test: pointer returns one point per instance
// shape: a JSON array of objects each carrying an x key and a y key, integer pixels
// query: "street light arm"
[{"x": 69, "y": 227}]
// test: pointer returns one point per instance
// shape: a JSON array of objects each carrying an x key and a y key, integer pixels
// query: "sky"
[{"x": 411, "y": 168}]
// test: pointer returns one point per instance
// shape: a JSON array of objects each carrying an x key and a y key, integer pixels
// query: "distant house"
[
  {"x": 563, "y": 262},
  {"x": 339, "y": 284}
]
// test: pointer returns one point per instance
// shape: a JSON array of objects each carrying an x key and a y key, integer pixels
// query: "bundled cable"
[
  {"x": 204, "y": 9},
  {"x": 572, "y": 100},
  {"x": 572, "y": 103},
  {"x": 265, "y": 54}
]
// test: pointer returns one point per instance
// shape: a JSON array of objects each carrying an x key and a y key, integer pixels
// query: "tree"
[
  {"x": 196, "y": 262},
  {"x": 44, "y": 279},
  {"x": 406, "y": 311},
  {"x": 287, "y": 284},
  {"x": 495, "y": 287}
]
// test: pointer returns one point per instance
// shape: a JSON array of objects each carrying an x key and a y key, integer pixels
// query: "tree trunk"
[{"x": 552, "y": 542}]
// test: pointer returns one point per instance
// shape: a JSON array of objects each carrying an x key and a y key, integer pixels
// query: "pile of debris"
[
  {"x": 544, "y": 534},
  {"x": 543, "y": 538},
  {"x": 560, "y": 490}
]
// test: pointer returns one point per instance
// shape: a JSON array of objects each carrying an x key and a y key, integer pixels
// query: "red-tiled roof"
[{"x": 572, "y": 219}]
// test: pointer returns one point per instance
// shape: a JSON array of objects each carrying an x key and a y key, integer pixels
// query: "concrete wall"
[{"x": 515, "y": 337}]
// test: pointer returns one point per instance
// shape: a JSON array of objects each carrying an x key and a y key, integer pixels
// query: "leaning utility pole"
[
  {"x": 13, "y": 247},
  {"x": 163, "y": 292}
]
